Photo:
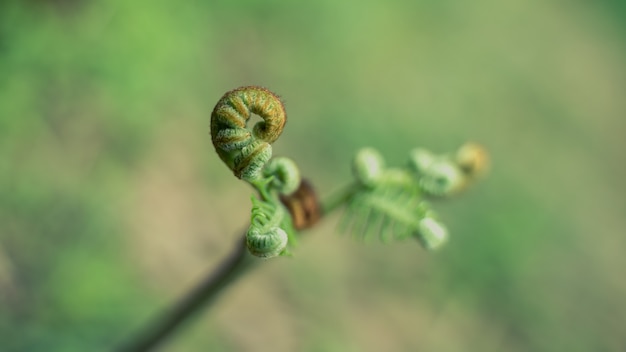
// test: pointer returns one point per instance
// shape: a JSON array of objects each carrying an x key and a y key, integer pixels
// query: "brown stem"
[{"x": 229, "y": 270}]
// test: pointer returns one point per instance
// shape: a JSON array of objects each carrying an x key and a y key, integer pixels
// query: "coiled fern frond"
[
  {"x": 270, "y": 229},
  {"x": 391, "y": 203},
  {"x": 248, "y": 154}
]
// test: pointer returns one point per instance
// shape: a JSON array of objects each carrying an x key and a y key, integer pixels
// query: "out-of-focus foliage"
[{"x": 113, "y": 202}]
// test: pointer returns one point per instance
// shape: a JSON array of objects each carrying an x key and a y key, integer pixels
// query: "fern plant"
[
  {"x": 387, "y": 202},
  {"x": 391, "y": 203}
]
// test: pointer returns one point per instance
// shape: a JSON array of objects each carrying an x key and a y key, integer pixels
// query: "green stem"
[{"x": 338, "y": 199}]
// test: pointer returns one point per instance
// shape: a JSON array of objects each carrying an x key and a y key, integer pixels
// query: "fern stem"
[
  {"x": 232, "y": 268},
  {"x": 338, "y": 199}
]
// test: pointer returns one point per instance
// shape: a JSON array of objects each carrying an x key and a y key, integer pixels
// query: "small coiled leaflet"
[
  {"x": 284, "y": 173},
  {"x": 246, "y": 152},
  {"x": 265, "y": 237},
  {"x": 445, "y": 175},
  {"x": 437, "y": 175}
]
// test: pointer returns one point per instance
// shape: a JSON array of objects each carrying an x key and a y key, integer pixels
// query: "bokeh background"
[{"x": 113, "y": 202}]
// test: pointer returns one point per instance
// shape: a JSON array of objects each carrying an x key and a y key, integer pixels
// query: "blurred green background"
[{"x": 113, "y": 202}]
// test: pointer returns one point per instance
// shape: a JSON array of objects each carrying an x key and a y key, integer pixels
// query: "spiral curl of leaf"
[
  {"x": 445, "y": 175},
  {"x": 246, "y": 152},
  {"x": 436, "y": 175},
  {"x": 265, "y": 237},
  {"x": 285, "y": 175},
  {"x": 442, "y": 178}
]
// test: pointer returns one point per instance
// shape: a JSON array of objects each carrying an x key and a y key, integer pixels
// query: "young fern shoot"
[
  {"x": 392, "y": 202},
  {"x": 387, "y": 202},
  {"x": 247, "y": 154}
]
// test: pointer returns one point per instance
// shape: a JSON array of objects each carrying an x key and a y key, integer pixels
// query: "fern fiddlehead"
[
  {"x": 265, "y": 237},
  {"x": 391, "y": 202},
  {"x": 445, "y": 175},
  {"x": 285, "y": 173},
  {"x": 248, "y": 154},
  {"x": 388, "y": 204}
]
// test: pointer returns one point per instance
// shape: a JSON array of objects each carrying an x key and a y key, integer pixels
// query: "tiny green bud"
[
  {"x": 367, "y": 166},
  {"x": 432, "y": 234}
]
